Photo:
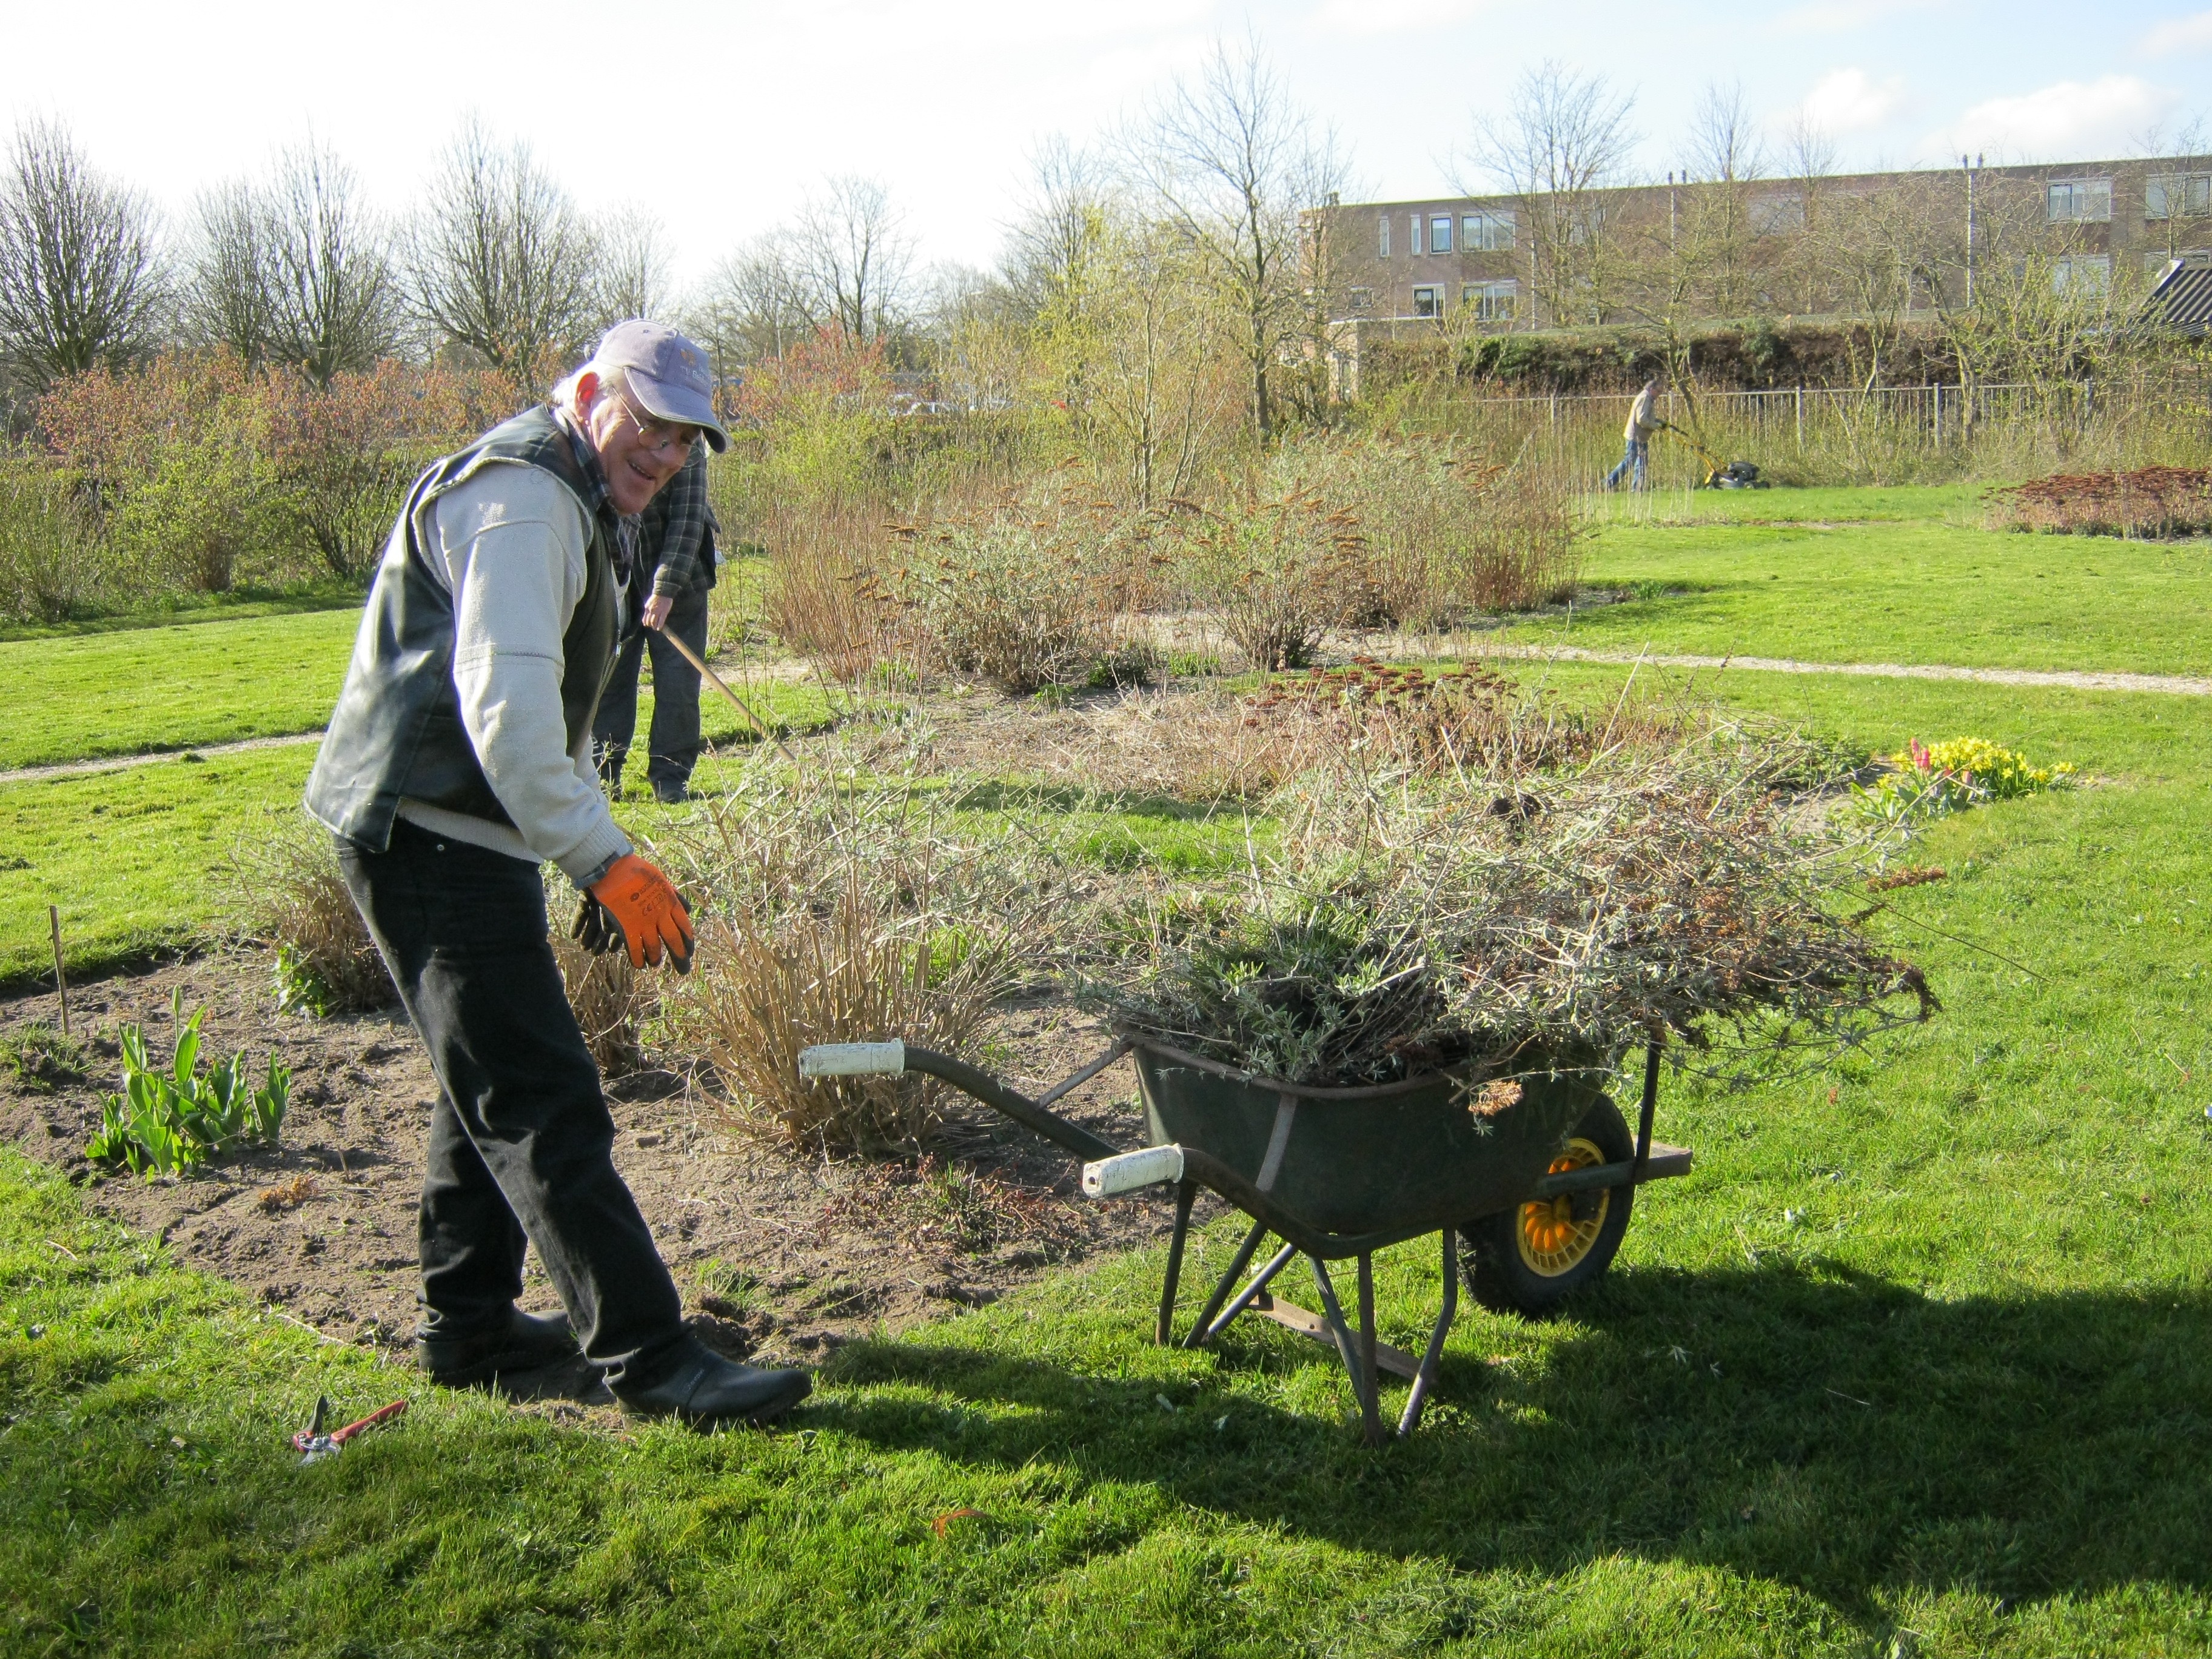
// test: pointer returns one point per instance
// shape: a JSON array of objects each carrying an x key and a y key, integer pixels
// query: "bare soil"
[{"x": 780, "y": 1256}]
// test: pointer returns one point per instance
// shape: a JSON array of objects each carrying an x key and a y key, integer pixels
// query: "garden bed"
[{"x": 775, "y": 1254}]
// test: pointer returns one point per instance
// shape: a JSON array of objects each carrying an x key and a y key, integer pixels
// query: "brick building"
[{"x": 1707, "y": 251}]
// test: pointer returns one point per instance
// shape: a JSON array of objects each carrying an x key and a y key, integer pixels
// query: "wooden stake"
[
  {"x": 692, "y": 656},
  {"x": 61, "y": 983}
]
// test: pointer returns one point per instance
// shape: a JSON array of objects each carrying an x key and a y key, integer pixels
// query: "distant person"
[
  {"x": 458, "y": 760},
  {"x": 1643, "y": 421},
  {"x": 668, "y": 595}
]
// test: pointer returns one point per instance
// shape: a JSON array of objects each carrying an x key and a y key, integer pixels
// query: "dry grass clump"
[
  {"x": 832, "y": 915},
  {"x": 295, "y": 900},
  {"x": 608, "y": 999},
  {"x": 1403, "y": 931},
  {"x": 2149, "y": 501}
]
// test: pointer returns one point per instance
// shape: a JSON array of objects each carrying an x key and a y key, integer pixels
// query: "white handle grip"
[
  {"x": 853, "y": 1060},
  {"x": 1130, "y": 1170}
]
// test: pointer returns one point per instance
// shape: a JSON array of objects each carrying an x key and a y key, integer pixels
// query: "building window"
[
  {"x": 1777, "y": 215},
  {"x": 1383, "y": 225},
  {"x": 2177, "y": 195},
  {"x": 1440, "y": 233},
  {"x": 1493, "y": 302},
  {"x": 2089, "y": 274},
  {"x": 2081, "y": 201},
  {"x": 1415, "y": 245},
  {"x": 1363, "y": 298},
  {"x": 1489, "y": 232},
  {"x": 1428, "y": 301}
]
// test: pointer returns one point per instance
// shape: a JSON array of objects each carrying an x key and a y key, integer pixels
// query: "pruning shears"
[{"x": 313, "y": 1445}]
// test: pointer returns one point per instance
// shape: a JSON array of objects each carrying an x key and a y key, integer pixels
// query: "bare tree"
[
  {"x": 333, "y": 306},
  {"x": 80, "y": 284},
  {"x": 1231, "y": 164},
  {"x": 500, "y": 262},
  {"x": 634, "y": 266},
  {"x": 1053, "y": 248},
  {"x": 225, "y": 303},
  {"x": 855, "y": 254},
  {"x": 1564, "y": 137},
  {"x": 755, "y": 306}
]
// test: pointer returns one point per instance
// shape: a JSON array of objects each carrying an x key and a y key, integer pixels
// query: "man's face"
[{"x": 638, "y": 453}]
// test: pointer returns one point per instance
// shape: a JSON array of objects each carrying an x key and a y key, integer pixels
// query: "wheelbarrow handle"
[{"x": 896, "y": 1059}]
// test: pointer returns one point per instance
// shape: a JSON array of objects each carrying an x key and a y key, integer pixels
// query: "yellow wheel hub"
[{"x": 1552, "y": 1241}]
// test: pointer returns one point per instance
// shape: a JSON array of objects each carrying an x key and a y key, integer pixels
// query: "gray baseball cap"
[{"x": 667, "y": 373}]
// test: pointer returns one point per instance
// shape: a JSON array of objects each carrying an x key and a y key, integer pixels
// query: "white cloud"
[
  {"x": 2180, "y": 34},
  {"x": 1392, "y": 16},
  {"x": 2069, "y": 119},
  {"x": 1851, "y": 100}
]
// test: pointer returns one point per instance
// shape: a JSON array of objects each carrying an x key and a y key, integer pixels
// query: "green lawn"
[
  {"x": 1911, "y": 591},
  {"x": 130, "y": 692},
  {"x": 1915, "y": 1361}
]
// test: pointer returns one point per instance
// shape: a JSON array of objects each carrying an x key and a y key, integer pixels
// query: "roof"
[{"x": 2183, "y": 298}]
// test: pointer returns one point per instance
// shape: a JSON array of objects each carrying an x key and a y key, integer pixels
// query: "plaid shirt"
[{"x": 673, "y": 530}]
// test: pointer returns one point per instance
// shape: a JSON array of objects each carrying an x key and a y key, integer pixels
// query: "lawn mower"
[{"x": 1719, "y": 474}]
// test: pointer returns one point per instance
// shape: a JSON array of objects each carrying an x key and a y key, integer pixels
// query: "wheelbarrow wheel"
[{"x": 1533, "y": 1256}]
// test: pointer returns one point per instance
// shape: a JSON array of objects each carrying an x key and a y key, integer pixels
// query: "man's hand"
[
  {"x": 656, "y": 612},
  {"x": 635, "y": 906}
]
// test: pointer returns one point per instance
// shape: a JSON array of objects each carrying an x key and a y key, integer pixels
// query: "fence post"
[
  {"x": 1939, "y": 415},
  {"x": 1800, "y": 420}
]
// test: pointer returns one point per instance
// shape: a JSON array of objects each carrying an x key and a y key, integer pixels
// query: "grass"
[
  {"x": 1912, "y": 1363},
  {"x": 130, "y": 692},
  {"x": 1909, "y": 591}
]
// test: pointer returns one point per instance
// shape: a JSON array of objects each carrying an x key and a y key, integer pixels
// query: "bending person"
[{"x": 458, "y": 759}]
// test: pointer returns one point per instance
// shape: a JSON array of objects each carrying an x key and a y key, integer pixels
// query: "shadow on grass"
[{"x": 1806, "y": 1425}]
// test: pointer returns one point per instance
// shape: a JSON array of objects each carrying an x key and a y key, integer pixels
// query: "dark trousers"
[
  {"x": 520, "y": 1136},
  {"x": 671, "y": 748}
]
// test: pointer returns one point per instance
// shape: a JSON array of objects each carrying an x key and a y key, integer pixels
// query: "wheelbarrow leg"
[
  {"x": 1246, "y": 1297},
  {"x": 1363, "y": 1379},
  {"x": 1373, "y": 1407},
  {"x": 1425, "y": 1379},
  {"x": 1236, "y": 1266},
  {"x": 1185, "y": 1192}
]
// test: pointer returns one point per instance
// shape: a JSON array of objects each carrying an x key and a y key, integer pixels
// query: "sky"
[{"x": 722, "y": 119}]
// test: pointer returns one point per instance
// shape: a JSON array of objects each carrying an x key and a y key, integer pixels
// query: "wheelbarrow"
[{"x": 1538, "y": 1190}]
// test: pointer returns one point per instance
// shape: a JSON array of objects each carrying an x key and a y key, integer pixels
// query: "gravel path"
[
  {"x": 113, "y": 763},
  {"x": 2179, "y": 685}
]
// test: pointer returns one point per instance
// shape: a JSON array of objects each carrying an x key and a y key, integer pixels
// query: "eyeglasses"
[{"x": 656, "y": 436}]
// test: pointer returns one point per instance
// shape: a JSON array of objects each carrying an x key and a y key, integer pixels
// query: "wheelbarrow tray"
[{"x": 1403, "y": 1158}]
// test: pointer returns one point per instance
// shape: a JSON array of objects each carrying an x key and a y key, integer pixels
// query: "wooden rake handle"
[{"x": 699, "y": 662}]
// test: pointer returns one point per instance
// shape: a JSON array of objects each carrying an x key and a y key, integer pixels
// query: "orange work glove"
[{"x": 635, "y": 906}]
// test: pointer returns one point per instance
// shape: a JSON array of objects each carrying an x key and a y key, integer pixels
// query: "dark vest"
[{"x": 398, "y": 731}]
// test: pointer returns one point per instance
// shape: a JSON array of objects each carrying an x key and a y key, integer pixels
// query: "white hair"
[{"x": 614, "y": 381}]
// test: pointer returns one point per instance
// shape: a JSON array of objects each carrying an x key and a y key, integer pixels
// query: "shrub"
[
  {"x": 823, "y": 596},
  {"x": 1031, "y": 590},
  {"x": 2151, "y": 500},
  {"x": 50, "y": 560},
  {"x": 1278, "y": 573}
]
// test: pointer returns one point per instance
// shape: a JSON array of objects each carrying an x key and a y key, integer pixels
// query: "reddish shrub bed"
[{"x": 2151, "y": 500}]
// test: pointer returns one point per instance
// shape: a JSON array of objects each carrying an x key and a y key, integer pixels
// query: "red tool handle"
[{"x": 342, "y": 1435}]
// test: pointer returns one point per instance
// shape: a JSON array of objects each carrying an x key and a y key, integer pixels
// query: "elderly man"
[
  {"x": 458, "y": 759},
  {"x": 676, "y": 560},
  {"x": 1643, "y": 421}
]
